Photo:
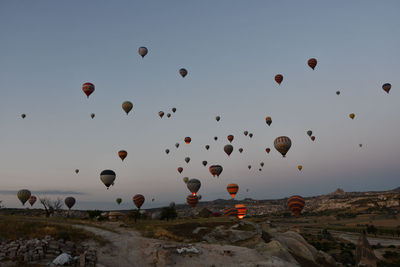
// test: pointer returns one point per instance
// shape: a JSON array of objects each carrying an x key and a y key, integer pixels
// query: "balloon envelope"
[
  {"x": 312, "y": 63},
  {"x": 183, "y": 72},
  {"x": 122, "y": 154},
  {"x": 32, "y": 200},
  {"x": 192, "y": 200},
  {"x": 127, "y": 106},
  {"x": 232, "y": 189},
  {"x": 188, "y": 140},
  {"x": 279, "y": 78},
  {"x": 23, "y": 195},
  {"x": 241, "y": 210},
  {"x": 69, "y": 202},
  {"x": 118, "y": 200},
  {"x": 228, "y": 149},
  {"x": 88, "y": 88},
  {"x": 282, "y": 144},
  {"x": 143, "y": 51},
  {"x": 107, "y": 177},
  {"x": 215, "y": 170},
  {"x": 193, "y": 185},
  {"x": 138, "y": 200},
  {"x": 386, "y": 87},
  {"x": 296, "y": 204}
]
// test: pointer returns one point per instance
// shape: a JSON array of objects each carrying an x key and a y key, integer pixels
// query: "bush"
[
  {"x": 168, "y": 213},
  {"x": 391, "y": 254},
  {"x": 94, "y": 213}
]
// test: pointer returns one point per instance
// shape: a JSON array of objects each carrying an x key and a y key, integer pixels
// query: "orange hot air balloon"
[
  {"x": 312, "y": 62},
  {"x": 300, "y": 167},
  {"x": 296, "y": 204},
  {"x": 192, "y": 200},
  {"x": 232, "y": 189},
  {"x": 230, "y": 138},
  {"x": 88, "y": 88},
  {"x": 122, "y": 154},
  {"x": 268, "y": 150},
  {"x": 138, "y": 200},
  {"x": 313, "y": 138},
  {"x": 241, "y": 210},
  {"x": 279, "y": 78},
  {"x": 180, "y": 169},
  {"x": 282, "y": 144},
  {"x": 352, "y": 116},
  {"x": 188, "y": 140},
  {"x": 268, "y": 120}
]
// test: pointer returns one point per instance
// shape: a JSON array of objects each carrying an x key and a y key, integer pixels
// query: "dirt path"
[{"x": 128, "y": 249}]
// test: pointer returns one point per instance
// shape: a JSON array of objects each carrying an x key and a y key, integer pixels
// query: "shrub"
[{"x": 168, "y": 213}]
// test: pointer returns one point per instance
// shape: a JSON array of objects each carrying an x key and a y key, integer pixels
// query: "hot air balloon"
[
  {"x": 230, "y": 212},
  {"x": 338, "y": 92},
  {"x": 387, "y": 87},
  {"x": 313, "y": 138},
  {"x": 183, "y": 72},
  {"x": 215, "y": 170},
  {"x": 167, "y": 151},
  {"x": 138, "y": 200},
  {"x": 352, "y": 116},
  {"x": 92, "y": 115},
  {"x": 118, "y": 200},
  {"x": 152, "y": 200},
  {"x": 215, "y": 138},
  {"x": 230, "y": 138},
  {"x": 76, "y": 171},
  {"x": 192, "y": 200},
  {"x": 232, "y": 189},
  {"x": 187, "y": 159},
  {"x": 69, "y": 202},
  {"x": 122, "y": 154},
  {"x": 240, "y": 150},
  {"x": 250, "y": 135},
  {"x": 279, "y": 78},
  {"x": 268, "y": 150},
  {"x": 23, "y": 116},
  {"x": 300, "y": 167},
  {"x": 249, "y": 167},
  {"x": 23, "y": 195},
  {"x": 161, "y": 114},
  {"x": 207, "y": 147},
  {"x": 262, "y": 164},
  {"x": 296, "y": 204},
  {"x": 188, "y": 140},
  {"x": 173, "y": 110},
  {"x": 309, "y": 133},
  {"x": 168, "y": 115},
  {"x": 218, "y": 118},
  {"x": 193, "y": 185},
  {"x": 260, "y": 169},
  {"x": 88, "y": 88},
  {"x": 180, "y": 169},
  {"x": 204, "y": 163},
  {"x": 143, "y": 51},
  {"x": 177, "y": 145},
  {"x": 32, "y": 200},
  {"x": 241, "y": 210},
  {"x": 107, "y": 177},
  {"x": 312, "y": 62},
  {"x": 127, "y": 106},
  {"x": 360, "y": 145},
  {"x": 245, "y": 133},
  {"x": 228, "y": 149},
  {"x": 268, "y": 120},
  {"x": 282, "y": 144},
  {"x": 185, "y": 179}
]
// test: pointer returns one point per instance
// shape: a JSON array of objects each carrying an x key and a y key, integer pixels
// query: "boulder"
[
  {"x": 275, "y": 249},
  {"x": 62, "y": 259}
]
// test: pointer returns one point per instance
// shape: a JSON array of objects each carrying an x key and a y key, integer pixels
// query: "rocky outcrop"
[
  {"x": 364, "y": 254},
  {"x": 43, "y": 250}
]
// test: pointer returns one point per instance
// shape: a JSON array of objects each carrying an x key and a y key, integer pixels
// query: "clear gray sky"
[{"x": 232, "y": 51}]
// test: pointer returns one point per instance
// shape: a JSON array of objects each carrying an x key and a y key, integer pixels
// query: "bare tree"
[
  {"x": 50, "y": 206},
  {"x": 1, "y": 205}
]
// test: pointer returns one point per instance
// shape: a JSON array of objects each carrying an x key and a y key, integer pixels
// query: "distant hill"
[{"x": 397, "y": 189}]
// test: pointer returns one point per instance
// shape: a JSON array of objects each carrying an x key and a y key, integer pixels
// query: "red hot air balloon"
[
  {"x": 312, "y": 63},
  {"x": 122, "y": 154},
  {"x": 188, "y": 140},
  {"x": 138, "y": 200},
  {"x": 296, "y": 204},
  {"x": 180, "y": 169},
  {"x": 232, "y": 189},
  {"x": 215, "y": 170},
  {"x": 386, "y": 87},
  {"x": 230, "y": 138},
  {"x": 192, "y": 200},
  {"x": 88, "y": 88},
  {"x": 268, "y": 150},
  {"x": 279, "y": 78},
  {"x": 313, "y": 138},
  {"x": 241, "y": 210},
  {"x": 32, "y": 200}
]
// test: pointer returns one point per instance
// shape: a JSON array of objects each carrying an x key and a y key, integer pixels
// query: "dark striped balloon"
[
  {"x": 88, "y": 88},
  {"x": 188, "y": 140},
  {"x": 192, "y": 200},
  {"x": 232, "y": 189},
  {"x": 230, "y": 212},
  {"x": 296, "y": 204},
  {"x": 138, "y": 200},
  {"x": 241, "y": 210},
  {"x": 122, "y": 154}
]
